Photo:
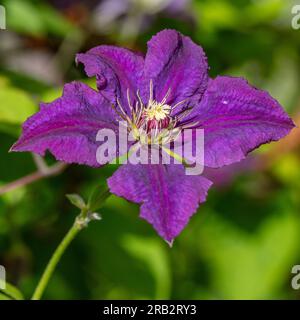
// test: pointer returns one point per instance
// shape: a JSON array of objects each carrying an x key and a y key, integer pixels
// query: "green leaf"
[
  {"x": 76, "y": 200},
  {"x": 11, "y": 129},
  {"x": 98, "y": 197},
  {"x": 153, "y": 253},
  {"x": 15, "y": 107},
  {"x": 51, "y": 94},
  {"x": 10, "y": 293},
  {"x": 3, "y": 81},
  {"x": 250, "y": 265},
  {"x": 23, "y": 16},
  {"x": 35, "y": 19},
  {"x": 4, "y": 297}
]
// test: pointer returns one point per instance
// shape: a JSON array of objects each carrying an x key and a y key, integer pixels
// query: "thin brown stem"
[{"x": 35, "y": 176}]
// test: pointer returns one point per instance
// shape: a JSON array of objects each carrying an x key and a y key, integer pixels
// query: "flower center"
[
  {"x": 157, "y": 111},
  {"x": 152, "y": 123}
]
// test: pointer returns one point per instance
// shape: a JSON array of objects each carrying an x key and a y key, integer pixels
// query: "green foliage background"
[{"x": 243, "y": 241}]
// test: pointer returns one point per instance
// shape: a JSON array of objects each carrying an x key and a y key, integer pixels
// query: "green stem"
[{"x": 54, "y": 261}]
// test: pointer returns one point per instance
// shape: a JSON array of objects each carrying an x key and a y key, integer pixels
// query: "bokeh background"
[{"x": 243, "y": 241}]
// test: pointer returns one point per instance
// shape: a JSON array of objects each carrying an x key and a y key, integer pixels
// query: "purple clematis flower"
[{"x": 171, "y": 79}]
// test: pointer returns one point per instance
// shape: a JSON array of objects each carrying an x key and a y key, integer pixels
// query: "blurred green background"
[{"x": 243, "y": 241}]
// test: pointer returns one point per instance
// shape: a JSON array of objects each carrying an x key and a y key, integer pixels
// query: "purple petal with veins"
[
  {"x": 168, "y": 197},
  {"x": 237, "y": 118},
  {"x": 68, "y": 126}
]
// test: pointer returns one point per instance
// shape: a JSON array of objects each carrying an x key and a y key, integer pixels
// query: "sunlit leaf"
[
  {"x": 24, "y": 17},
  {"x": 250, "y": 266},
  {"x": 154, "y": 255},
  {"x": 4, "y": 297},
  {"x": 11, "y": 292},
  {"x": 15, "y": 106},
  {"x": 35, "y": 18}
]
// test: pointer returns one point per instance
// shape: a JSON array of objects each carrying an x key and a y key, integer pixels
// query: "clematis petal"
[
  {"x": 116, "y": 69},
  {"x": 175, "y": 62},
  {"x": 168, "y": 196},
  {"x": 237, "y": 118},
  {"x": 68, "y": 126}
]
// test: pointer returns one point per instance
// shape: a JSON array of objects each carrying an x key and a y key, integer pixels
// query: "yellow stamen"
[{"x": 157, "y": 111}]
